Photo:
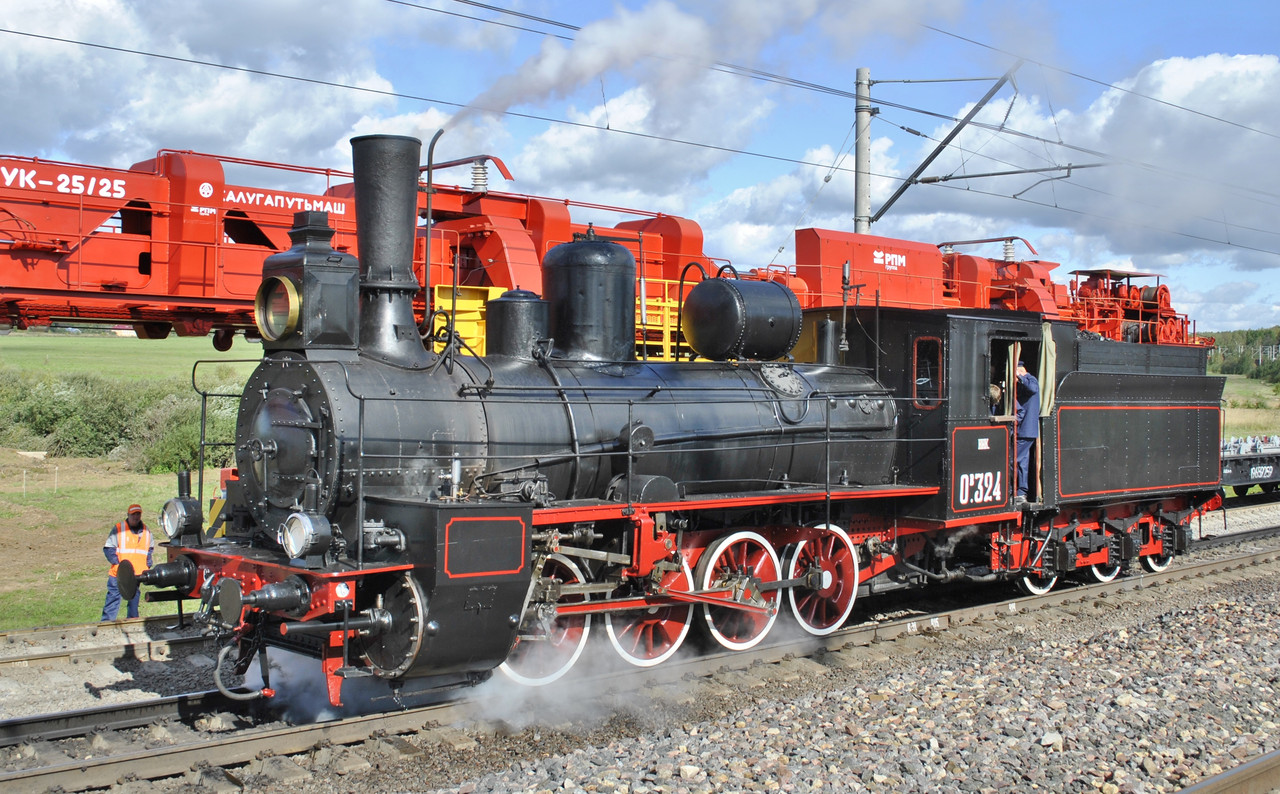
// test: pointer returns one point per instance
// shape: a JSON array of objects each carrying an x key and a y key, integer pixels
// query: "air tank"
[
  {"x": 514, "y": 324},
  {"x": 735, "y": 318}
]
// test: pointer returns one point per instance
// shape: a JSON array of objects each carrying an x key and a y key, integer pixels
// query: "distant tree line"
[{"x": 1254, "y": 353}]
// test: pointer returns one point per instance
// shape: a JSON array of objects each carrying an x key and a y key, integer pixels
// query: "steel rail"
[
  {"x": 157, "y": 624},
  {"x": 238, "y": 748},
  {"x": 158, "y": 650},
  {"x": 1230, "y": 539},
  {"x": 64, "y": 725},
  {"x": 1260, "y": 775}
]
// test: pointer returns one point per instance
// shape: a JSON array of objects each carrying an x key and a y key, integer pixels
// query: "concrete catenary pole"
[{"x": 862, "y": 154}]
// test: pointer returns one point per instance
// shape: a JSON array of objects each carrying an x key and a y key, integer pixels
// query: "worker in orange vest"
[{"x": 129, "y": 540}]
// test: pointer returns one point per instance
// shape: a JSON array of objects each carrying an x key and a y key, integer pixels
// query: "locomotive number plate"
[{"x": 979, "y": 468}]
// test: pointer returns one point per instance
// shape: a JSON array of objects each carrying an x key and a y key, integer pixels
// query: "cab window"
[{"x": 927, "y": 375}]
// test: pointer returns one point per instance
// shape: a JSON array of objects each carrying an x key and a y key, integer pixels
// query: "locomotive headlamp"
[
  {"x": 305, "y": 535},
  {"x": 180, "y": 516},
  {"x": 276, "y": 308}
]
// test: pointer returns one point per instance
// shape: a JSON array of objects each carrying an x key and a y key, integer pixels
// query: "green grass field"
[
  {"x": 1250, "y": 408},
  {"x": 124, "y": 357}
]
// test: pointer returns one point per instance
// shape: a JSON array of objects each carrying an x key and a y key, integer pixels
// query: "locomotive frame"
[{"x": 410, "y": 514}]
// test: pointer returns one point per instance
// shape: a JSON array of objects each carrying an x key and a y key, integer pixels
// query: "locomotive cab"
[{"x": 941, "y": 367}]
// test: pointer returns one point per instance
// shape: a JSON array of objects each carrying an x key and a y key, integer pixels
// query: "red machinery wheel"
[
  {"x": 741, "y": 561},
  {"x": 821, "y": 611},
  {"x": 545, "y": 654},
  {"x": 646, "y": 637}
]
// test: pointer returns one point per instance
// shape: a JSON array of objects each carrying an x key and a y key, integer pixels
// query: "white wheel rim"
[
  {"x": 707, "y": 566},
  {"x": 510, "y": 672},
  {"x": 1104, "y": 573},
  {"x": 1038, "y": 585}
]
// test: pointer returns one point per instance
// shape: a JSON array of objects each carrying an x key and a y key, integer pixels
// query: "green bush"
[
  {"x": 42, "y": 404},
  {"x": 168, "y": 436},
  {"x": 154, "y": 426}
]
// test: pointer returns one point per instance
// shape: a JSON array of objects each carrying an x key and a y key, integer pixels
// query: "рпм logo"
[{"x": 889, "y": 261}]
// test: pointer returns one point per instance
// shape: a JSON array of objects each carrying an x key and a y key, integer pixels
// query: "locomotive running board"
[{"x": 604, "y": 511}]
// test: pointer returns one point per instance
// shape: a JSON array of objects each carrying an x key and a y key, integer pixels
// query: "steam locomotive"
[{"x": 411, "y": 513}]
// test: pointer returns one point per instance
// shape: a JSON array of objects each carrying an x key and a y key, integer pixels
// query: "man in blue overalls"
[{"x": 1027, "y": 425}]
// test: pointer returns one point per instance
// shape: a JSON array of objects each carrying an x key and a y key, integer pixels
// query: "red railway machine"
[{"x": 170, "y": 245}]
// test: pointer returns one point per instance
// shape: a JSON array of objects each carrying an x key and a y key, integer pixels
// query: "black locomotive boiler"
[{"x": 406, "y": 513}]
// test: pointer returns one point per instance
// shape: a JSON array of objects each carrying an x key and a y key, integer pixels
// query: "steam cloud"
[{"x": 669, "y": 49}]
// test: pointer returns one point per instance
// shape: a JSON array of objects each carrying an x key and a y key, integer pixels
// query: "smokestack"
[{"x": 386, "y": 194}]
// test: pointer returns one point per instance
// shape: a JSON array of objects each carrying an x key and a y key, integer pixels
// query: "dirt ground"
[
  {"x": 43, "y": 531},
  {"x": 53, "y": 569}
]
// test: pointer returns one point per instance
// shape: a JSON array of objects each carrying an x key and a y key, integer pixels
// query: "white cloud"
[
  {"x": 1229, "y": 306},
  {"x": 1177, "y": 183},
  {"x": 643, "y": 170},
  {"x": 116, "y": 106},
  {"x": 659, "y": 45}
]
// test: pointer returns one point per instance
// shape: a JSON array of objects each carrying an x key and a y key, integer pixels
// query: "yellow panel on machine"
[
  {"x": 469, "y": 307},
  {"x": 656, "y": 316}
]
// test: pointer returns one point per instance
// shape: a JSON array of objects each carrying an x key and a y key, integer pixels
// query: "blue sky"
[{"x": 1175, "y": 98}]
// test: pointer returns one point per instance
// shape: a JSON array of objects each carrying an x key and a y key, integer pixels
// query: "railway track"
[
  {"x": 146, "y": 639},
  {"x": 173, "y": 736},
  {"x": 1258, "y": 776}
]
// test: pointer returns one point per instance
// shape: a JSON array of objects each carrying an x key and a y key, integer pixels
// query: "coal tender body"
[{"x": 406, "y": 514}]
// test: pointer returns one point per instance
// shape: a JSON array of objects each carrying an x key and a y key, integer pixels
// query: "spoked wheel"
[
  {"x": 743, "y": 560},
  {"x": 1102, "y": 573},
  {"x": 645, "y": 637},
  {"x": 823, "y": 610},
  {"x": 1157, "y": 563},
  {"x": 1034, "y": 585},
  {"x": 553, "y": 647}
]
